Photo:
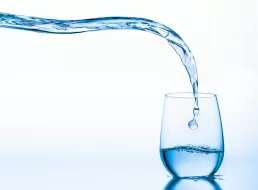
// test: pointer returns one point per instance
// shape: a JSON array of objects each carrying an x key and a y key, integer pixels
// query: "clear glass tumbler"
[{"x": 188, "y": 153}]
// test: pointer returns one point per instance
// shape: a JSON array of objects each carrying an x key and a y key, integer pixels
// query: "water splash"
[{"x": 55, "y": 26}]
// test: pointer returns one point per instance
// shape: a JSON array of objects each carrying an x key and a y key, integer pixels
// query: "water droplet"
[{"x": 193, "y": 124}]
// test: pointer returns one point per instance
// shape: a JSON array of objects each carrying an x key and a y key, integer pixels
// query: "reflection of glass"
[
  {"x": 186, "y": 152},
  {"x": 187, "y": 184}
]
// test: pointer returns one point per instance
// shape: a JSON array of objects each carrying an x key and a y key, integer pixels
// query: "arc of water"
[{"x": 55, "y": 26}]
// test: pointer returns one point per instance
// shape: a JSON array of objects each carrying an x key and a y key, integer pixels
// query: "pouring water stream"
[{"x": 55, "y": 26}]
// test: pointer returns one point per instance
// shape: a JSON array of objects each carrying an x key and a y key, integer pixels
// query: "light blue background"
[{"x": 84, "y": 111}]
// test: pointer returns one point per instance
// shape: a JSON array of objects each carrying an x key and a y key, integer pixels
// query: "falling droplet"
[{"x": 193, "y": 124}]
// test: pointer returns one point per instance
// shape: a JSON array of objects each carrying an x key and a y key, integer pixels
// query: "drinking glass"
[{"x": 186, "y": 152}]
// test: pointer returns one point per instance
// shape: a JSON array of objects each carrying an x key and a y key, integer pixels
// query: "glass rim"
[{"x": 189, "y": 95}]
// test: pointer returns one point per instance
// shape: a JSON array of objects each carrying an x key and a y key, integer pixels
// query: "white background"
[{"x": 92, "y": 103}]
